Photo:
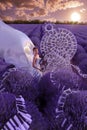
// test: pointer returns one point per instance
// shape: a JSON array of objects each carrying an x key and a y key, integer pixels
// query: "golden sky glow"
[{"x": 75, "y": 17}]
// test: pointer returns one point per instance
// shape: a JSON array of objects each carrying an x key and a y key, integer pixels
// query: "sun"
[{"x": 75, "y": 17}]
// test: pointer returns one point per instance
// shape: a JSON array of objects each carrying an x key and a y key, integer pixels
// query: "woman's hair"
[{"x": 35, "y": 48}]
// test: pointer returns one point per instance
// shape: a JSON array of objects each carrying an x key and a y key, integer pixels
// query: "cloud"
[
  {"x": 73, "y": 4},
  {"x": 29, "y": 9},
  {"x": 39, "y": 12},
  {"x": 26, "y": 14},
  {"x": 5, "y": 6},
  {"x": 83, "y": 10},
  {"x": 54, "y": 5}
]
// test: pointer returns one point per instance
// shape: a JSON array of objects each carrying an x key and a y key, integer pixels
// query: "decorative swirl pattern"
[{"x": 58, "y": 46}]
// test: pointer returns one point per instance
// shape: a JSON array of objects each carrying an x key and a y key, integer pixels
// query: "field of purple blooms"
[{"x": 59, "y": 100}]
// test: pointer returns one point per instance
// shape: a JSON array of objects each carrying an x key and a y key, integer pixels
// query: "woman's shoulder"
[{"x": 37, "y": 57}]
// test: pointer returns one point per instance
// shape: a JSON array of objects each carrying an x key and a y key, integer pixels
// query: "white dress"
[{"x": 37, "y": 73}]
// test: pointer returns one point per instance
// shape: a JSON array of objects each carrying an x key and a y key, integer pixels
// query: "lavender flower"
[
  {"x": 38, "y": 121},
  {"x": 7, "y": 107},
  {"x": 20, "y": 82},
  {"x": 75, "y": 109}
]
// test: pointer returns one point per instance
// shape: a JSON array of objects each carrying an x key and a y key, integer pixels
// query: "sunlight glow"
[{"x": 75, "y": 17}]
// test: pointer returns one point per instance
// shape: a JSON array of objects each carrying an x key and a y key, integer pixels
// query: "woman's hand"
[{"x": 39, "y": 69}]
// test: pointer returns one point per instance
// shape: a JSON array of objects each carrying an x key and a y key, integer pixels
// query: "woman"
[
  {"x": 37, "y": 74},
  {"x": 36, "y": 59}
]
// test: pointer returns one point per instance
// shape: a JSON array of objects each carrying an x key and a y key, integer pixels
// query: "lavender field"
[{"x": 57, "y": 100}]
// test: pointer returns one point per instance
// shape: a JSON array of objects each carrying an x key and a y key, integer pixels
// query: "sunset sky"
[{"x": 51, "y": 10}]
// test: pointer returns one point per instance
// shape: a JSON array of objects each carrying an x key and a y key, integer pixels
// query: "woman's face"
[{"x": 35, "y": 51}]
